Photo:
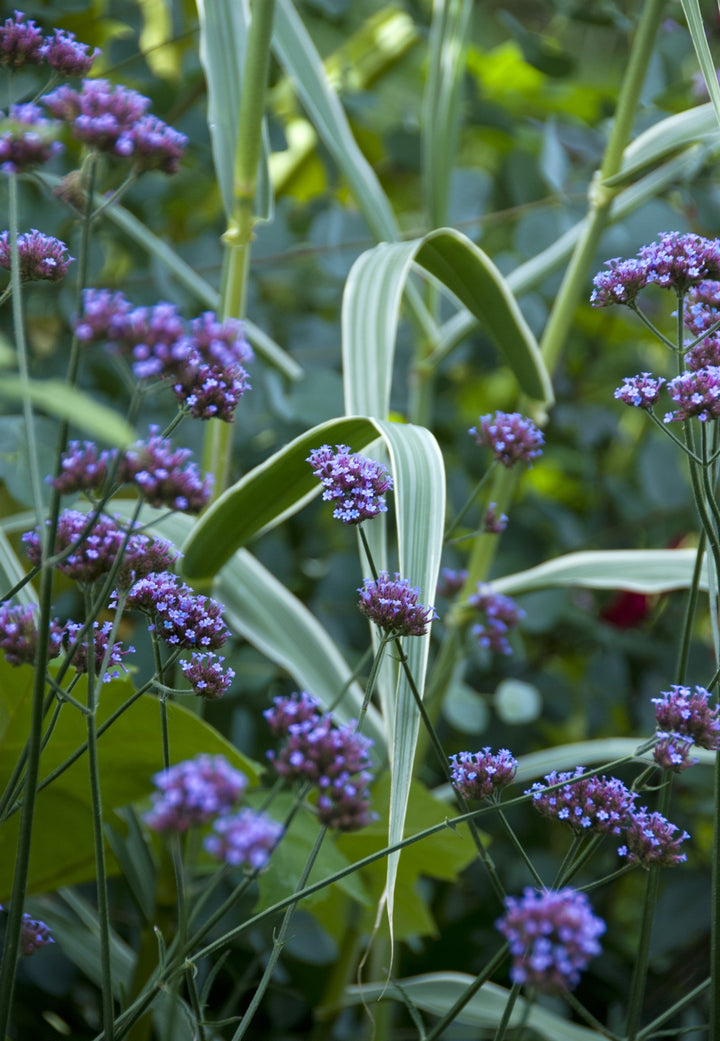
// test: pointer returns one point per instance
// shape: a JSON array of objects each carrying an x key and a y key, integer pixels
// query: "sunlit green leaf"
[{"x": 66, "y": 402}]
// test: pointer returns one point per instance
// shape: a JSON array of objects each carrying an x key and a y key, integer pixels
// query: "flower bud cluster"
[
  {"x": 482, "y": 775},
  {"x": 355, "y": 484},
  {"x": 392, "y": 604},
  {"x": 334, "y": 759},
  {"x": 500, "y": 615},
  {"x": 684, "y": 718},
  {"x": 22, "y": 43}
]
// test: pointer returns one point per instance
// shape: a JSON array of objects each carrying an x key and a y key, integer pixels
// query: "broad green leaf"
[
  {"x": 371, "y": 310},
  {"x": 437, "y": 992},
  {"x": 694, "y": 18},
  {"x": 130, "y": 753},
  {"x": 83, "y": 411},
  {"x": 419, "y": 476},
  {"x": 223, "y": 33},
  {"x": 636, "y": 570},
  {"x": 441, "y": 104},
  {"x": 265, "y": 612},
  {"x": 265, "y": 496}
]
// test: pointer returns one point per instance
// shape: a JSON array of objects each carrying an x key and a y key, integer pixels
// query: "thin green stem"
[
  {"x": 279, "y": 940},
  {"x": 372, "y": 678},
  {"x": 637, "y": 985},
  {"x": 471, "y": 499},
  {"x": 690, "y": 608},
  {"x": 651, "y": 1028},
  {"x": 507, "y": 1012},
  {"x": 653, "y": 329},
  {"x": 99, "y": 839},
  {"x": 520, "y": 848}
]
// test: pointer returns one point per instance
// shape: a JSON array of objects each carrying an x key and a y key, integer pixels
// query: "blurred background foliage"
[{"x": 539, "y": 90}]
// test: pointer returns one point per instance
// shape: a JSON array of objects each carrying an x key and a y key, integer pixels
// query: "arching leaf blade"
[{"x": 58, "y": 398}]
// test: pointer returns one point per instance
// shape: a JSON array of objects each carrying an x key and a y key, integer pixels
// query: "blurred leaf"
[
  {"x": 73, "y": 405},
  {"x": 517, "y": 702},
  {"x": 637, "y": 570},
  {"x": 223, "y": 37},
  {"x": 130, "y": 753},
  {"x": 15, "y": 460},
  {"x": 440, "y": 125},
  {"x": 156, "y": 38},
  {"x": 302, "y": 63},
  {"x": 437, "y": 993},
  {"x": 554, "y": 164},
  {"x": 694, "y": 18}
]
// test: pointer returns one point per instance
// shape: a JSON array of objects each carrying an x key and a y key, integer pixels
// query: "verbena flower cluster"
[
  {"x": 675, "y": 261},
  {"x": 42, "y": 257},
  {"x": 684, "y": 718},
  {"x": 22, "y": 43},
  {"x": 500, "y": 615},
  {"x": 605, "y": 806},
  {"x": 482, "y": 775},
  {"x": 511, "y": 437},
  {"x": 114, "y": 119},
  {"x": 333, "y": 759},
  {"x": 393, "y": 605},
  {"x": 176, "y": 614},
  {"x": 202, "y": 361},
  {"x": 207, "y": 789},
  {"x": 165, "y": 475},
  {"x": 27, "y": 139},
  {"x": 355, "y": 484},
  {"x": 552, "y": 934},
  {"x": 592, "y": 803}
]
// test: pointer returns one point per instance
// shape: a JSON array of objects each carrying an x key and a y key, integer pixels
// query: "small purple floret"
[
  {"x": 621, "y": 284},
  {"x": 177, "y": 615},
  {"x": 34, "y": 934},
  {"x": 101, "y": 642},
  {"x": 688, "y": 712},
  {"x": 650, "y": 839},
  {"x": 672, "y": 752},
  {"x": 697, "y": 394},
  {"x": 598, "y": 804},
  {"x": 206, "y": 675},
  {"x": 482, "y": 775},
  {"x": 19, "y": 634},
  {"x": 392, "y": 604},
  {"x": 678, "y": 261},
  {"x": 42, "y": 257},
  {"x": 356, "y": 485},
  {"x": 552, "y": 937},
  {"x": 165, "y": 475},
  {"x": 512, "y": 438},
  {"x": 64, "y": 53},
  {"x": 641, "y": 391},
  {"x": 95, "y": 554},
  {"x": 21, "y": 42},
  {"x": 26, "y": 139}
]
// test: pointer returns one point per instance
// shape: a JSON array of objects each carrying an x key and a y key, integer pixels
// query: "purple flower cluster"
[
  {"x": 103, "y": 651},
  {"x": 19, "y": 634},
  {"x": 392, "y": 604},
  {"x": 202, "y": 361},
  {"x": 451, "y": 581},
  {"x": 42, "y": 257},
  {"x": 675, "y": 261},
  {"x": 684, "y": 718},
  {"x": 650, "y": 840},
  {"x": 334, "y": 759},
  {"x": 501, "y": 616},
  {"x": 552, "y": 934},
  {"x": 91, "y": 554},
  {"x": 26, "y": 139},
  {"x": 641, "y": 391},
  {"x": 83, "y": 468},
  {"x": 207, "y": 789},
  {"x": 22, "y": 43},
  {"x": 696, "y": 393},
  {"x": 596, "y": 804},
  {"x": 177, "y": 615},
  {"x": 164, "y": 474},
  {"x": 482, "y": 775},
  {"x": 194, "y": 792},
  {"x": 114, "y": 119},
  {"x": 512, "y": 438},
  {"x": 19, "y": 639},
  {"x": 355, "y": 484},
  {"x": 246, "y": 838},
  {"x": 205, "y": 673}
]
